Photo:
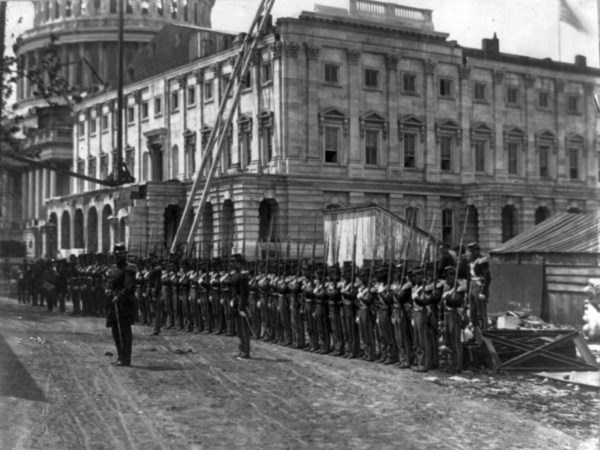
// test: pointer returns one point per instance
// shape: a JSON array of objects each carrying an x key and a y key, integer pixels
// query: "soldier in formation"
[{"x": 398, "y": 313}]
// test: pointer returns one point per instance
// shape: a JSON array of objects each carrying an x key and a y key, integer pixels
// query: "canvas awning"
[
  {"x": 561, "y": 233},
  {"x": 380, "y": 235}
]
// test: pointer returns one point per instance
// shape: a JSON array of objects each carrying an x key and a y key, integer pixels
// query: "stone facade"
[
  {"x": 87, "y": 34},
  {"x": 344, "y": 108}
]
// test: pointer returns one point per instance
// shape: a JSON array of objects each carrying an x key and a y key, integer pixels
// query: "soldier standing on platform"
[{"x": 120, "y": 291}]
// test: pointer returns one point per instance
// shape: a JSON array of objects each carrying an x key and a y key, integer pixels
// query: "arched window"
[
  {"x": 92, "y": 231},
  {"x": 106, "y": 216},
  {"x": 541, "y": 214},
  {"x": 65, "y": 230},
  {"x": 509, "y": 222},
  {"x": 268, "y": 212},
  {"x": 207, "y": 231},
  {"x": 472, "y": 230},
  {"x": 78, "y": 229},
  {"x": 227, "y": 227},
  {"x": 412, "y": 216},
  {"x": 448, "y": 225},
  {"x": 52, "y": 235},
  {"x": 171, "y": 222}
]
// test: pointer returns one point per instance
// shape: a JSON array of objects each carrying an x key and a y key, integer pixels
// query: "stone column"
[
  {"x": 500, "y": 168},
  {"x": 392, "y": 158},
  {"x": 24, "y": 196},
  {"x": 314, "y": 83},
  {"x": 530, "y": 153},
  {"x": 561, "y": 158},
  {"x": 432, "y": 170},
  {"x": 354, "y": 149},
  {"x": 37, "y": 196},
  {"x": 291, "y": 72},
  {"x": 53, "y": 187},
  {"x": 466, "y": 166},
  {"x": 44, "y": 187}
]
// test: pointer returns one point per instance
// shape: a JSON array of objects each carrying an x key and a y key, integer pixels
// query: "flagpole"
[{"x": 559, "y": 36}]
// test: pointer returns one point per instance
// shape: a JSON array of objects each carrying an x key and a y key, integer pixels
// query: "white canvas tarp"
[{"x": 379, "y": 235}]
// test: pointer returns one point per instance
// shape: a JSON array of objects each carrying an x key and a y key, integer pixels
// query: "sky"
[{"x": 524, "y": 27}]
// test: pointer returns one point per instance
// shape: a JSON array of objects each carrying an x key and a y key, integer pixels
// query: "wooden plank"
[
  {"x": 543, "y": 351},
  {"x": 584, "y": 350},
  {"x": 568, "y": 279}
]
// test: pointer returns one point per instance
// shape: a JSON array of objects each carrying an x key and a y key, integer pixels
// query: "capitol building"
[{"x": 340, "y": 107}]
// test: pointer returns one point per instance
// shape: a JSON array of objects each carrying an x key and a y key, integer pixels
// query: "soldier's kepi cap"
[
  {"x": 119, "y": 248},
  {"x": 473, "y": 246}
]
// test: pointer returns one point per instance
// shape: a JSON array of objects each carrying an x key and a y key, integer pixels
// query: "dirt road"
[{"x": 58, "y": 391}]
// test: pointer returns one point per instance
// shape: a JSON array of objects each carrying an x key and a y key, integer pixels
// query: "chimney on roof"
[
  {"x": 580, "y": 61},
  {"x": 491, "y": 46}
]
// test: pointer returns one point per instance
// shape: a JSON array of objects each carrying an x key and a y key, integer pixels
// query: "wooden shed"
[
  {"x": 565, "y": 250},
  {"x": 380, "y": 235}
]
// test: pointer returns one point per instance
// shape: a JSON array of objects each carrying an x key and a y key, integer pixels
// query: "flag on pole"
[{"x": 568, "y": 16}]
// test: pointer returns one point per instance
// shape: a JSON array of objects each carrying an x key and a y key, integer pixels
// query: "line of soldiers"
[{"x": 389, "y": 312}]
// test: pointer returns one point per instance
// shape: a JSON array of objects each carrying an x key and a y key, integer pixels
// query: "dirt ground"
[{"x": 184, "y": 391}]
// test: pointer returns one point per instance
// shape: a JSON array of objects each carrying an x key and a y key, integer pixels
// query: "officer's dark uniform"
[
  {"x": 120, "y": 304},
  {"x": 239, "y": 304}
]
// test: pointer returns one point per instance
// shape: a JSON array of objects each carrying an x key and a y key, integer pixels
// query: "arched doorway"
[
  {"x": 52, "y": 236},
  {"x": 207, "y": 235},
  {"x": 268, "y": 212},
  {"x": 65, "y": 230},
  {"x": 171, "y": 222},
  {"x": 106, "y": 216},
  {"x": 78, "y": 229},
  {"x": 509, "y": 222},
  {"x": 227, "y": 228},
  {"x": 92, "y": 230},
  {"x": 541, "y": 214},
  {"x": 412, "y": 216},
  {"x": 472, "y": 229}
]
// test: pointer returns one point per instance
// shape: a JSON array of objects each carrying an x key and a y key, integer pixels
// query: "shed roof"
[{"x": 561, "y": 233}]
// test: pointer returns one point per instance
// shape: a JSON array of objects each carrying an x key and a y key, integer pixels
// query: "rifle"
[
  {"x": 428, "y": 238},
  {"x": 325, "y": 254},
  {"x": 462, "y": 236},
  {"x": 268, "y": 245},
  {"x": 312, "y": 262},
  {"x": 353, "y": 272},
  {"x": 407, "y": 242},
  {"x": 389, "y": 277},
  {"x": 300, "y": 257}
]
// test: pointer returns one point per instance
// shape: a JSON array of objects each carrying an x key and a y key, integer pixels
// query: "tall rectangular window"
[
  {"x": 446, "y": 144},
  {"x": 246, "y": 142},
  {"x": 512, "y": 95},
  {"x": 191, "y": 95},
  {"x": 81, "y": 171},
  {"x": 544, "y": 99},
  {"x": 174, "y": 101},
  {"x": 144, "y": 110},
  {"x": 371, "y": 78},
  {"x": 332, "y": 73},
  {"x": 247, "y": 80},
  {"x": 81, "y": 129},
  {"x": 572, "y": 104},
  {"x": 268, "y": 143},
  {"x": 409, "y": 83},
  {"x": 157, "y": 106},
  {"x": 513, "y": 158},
  {"x": 208, "y": 90},
  {"x": 332, "y": 144},
  {"x": 105, "y": 122},
  {"x": 479, "y": 91},
  {"x": 130, "y": 114},
  {"x": 371, "y": 146},
  {"x": 93, "y": 126},
  {"x": 574, "y": 163},
  {"x": 447, "y": 225},
  {"x": 267, "y": 72},
  {"x": 445, "y": 87},
  {"x": 410, "y": 150},
  {"x": 479, "y": 156},
  {"x": 544, "y": 162}
]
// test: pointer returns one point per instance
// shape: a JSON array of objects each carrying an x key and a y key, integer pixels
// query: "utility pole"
[
  {"x": 118, "y": 171},
  {"x": 2, "y": 49}
]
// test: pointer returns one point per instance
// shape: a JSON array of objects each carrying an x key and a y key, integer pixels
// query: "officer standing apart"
[
  {"x": 120, "y": 304},
  {"x": 239, "y": 303}
]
